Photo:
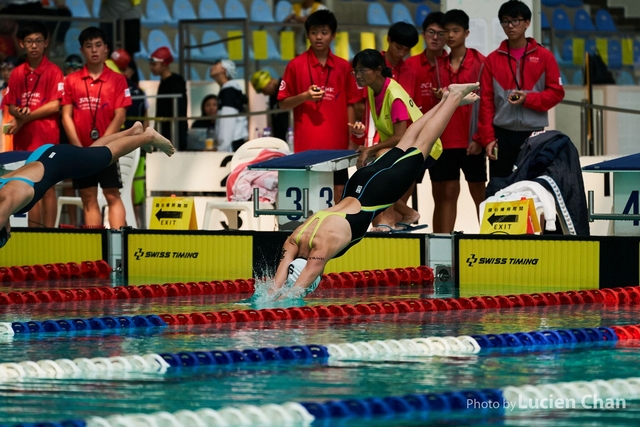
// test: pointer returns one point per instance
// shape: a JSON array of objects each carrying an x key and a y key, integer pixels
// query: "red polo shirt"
[
  {"x": 405, "y": 75},
  {"x": 456, "y": 134},
  {"x": 428, "y": 79},
  {"x": 35, "y": 88},
  {"x": 107, "y": 93},
  {"x": 321, "y": 125}
]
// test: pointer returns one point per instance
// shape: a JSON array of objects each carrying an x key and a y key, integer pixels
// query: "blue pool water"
[{"x": 44, "y": 399}]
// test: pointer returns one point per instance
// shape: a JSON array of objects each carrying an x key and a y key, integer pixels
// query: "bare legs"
[
  {"x": 426, "y": 130},
  {"x": 128, "y": 140}
]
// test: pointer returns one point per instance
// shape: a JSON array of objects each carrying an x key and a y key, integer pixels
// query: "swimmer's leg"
[
  {"x": 123, "y": 145},
  {"x": 136, "y": 129}
]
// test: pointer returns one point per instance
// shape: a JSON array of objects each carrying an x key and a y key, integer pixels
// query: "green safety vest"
[{"x": 383, "y": 122}]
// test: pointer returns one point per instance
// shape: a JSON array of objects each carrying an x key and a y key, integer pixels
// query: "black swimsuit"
[
  {"x": 64, "y": 161},
  {"x": 379, "y": 185}
]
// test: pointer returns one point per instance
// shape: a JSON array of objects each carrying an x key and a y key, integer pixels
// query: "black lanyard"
[
  {"x": 26, "y": 86},
  {"x": 94, "y": 116},
  {"x": 451, "y": 74},
  {"x": 326, "y": 82},
  {"x": 513, "y": 73}
]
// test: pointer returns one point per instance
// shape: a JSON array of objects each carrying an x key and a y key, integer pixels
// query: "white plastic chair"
[
  {"x": 247, "y": 152},
  {"x": 128, "y": 166}
]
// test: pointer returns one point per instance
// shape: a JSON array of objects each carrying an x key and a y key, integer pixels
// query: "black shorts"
[
  {"x": 107, "y": 178},
  {"x": 448, "y": 166}
]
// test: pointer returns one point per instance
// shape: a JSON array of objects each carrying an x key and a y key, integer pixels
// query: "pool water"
[{"x": 45, "y": 399}]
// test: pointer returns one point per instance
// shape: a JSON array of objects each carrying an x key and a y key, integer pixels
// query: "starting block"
[{"x": 305, "y": 183}]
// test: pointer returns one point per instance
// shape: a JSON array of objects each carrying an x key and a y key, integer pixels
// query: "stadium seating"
[
  {"x": 604, "y": 21},
  {"x": 78, "y": 8},
  {"x": 283, "y": 10},
  {"x": 582, "y": 21},
  {"x": 209, "y": 9},
  {"x": 376, "y": 15},
  {"x": 71, "y": 44},
  {"x": 614, "y": 54},
  {"x": 216, "y": 51},
  {"x": 156, "y": 14},
  {"x": 400, "y": 13},
  {"x": 421, "y": 12},
  {"x": 544, "y": 22},
  {"x": 261, "y": 11},
  {"x": 183, "y": 9},
  {"x": 233, "y": 9},
  {"x": 560, "y": 20},
  {"x": 157, "y": 38}
]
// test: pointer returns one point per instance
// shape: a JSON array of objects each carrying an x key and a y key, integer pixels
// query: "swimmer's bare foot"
[
  {"x": 463, "y": 89},
  {"x": 160, "y": 142},
  {"x": 470, "y": 98},
  {"x": 137, "y": 128}
]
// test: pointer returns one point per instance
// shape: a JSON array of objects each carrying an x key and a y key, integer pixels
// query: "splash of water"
[{"x": 264, "y": 296}]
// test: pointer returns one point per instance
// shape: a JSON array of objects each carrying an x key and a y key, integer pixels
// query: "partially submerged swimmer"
[
  {"x": 50, "y": 164},
  {"x": 331, "y": 232}
]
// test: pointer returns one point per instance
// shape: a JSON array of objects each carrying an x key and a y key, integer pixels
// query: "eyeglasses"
[
  {"x": 360, "y": 71},
  {"x": 432, "y": 33},
  {"x": 29, "y": 42},
  {"x": 513, "y": 22},
  {"x": 72, "y": 65}
]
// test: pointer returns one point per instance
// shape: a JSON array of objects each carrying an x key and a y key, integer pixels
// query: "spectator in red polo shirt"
[
  {"x": 463, "y": 65},
  {"x": 424, "y": 63},
  {"x": 94, "y": 105},
  {"x": 320, "y": 89},
  {"x": 402, "y": 37},
  {"x": 33, "y": 96}
]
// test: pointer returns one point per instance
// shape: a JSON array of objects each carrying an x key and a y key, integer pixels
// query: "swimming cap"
[
  {"x": 122, "y": 58},
  {"x": 4, "y": 236},
  {"x": 295, "y": 268},
  {"x": 260, "y": 79},
  {"x": 161, "y": 54}
]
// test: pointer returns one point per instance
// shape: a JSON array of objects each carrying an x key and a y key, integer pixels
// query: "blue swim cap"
[{"x": 4, "y": 236}]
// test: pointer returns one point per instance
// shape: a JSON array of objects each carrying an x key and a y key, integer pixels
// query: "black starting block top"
[
  {"x": 312, "y": 160},
  {"x": 629, "y": 163}
]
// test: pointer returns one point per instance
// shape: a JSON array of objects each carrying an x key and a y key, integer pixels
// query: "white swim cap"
[{"x": 295, "y": 268}]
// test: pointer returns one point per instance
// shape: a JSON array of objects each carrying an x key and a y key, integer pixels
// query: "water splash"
[{"x": 265, "y": 297}]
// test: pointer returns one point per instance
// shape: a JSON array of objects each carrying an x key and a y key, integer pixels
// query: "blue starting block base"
[{"x": 312, "y": 170}]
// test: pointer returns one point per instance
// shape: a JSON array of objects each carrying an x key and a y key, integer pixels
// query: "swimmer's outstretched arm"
[{"x": 289, "y": 253}]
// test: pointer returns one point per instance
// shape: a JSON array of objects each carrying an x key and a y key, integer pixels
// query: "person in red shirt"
[
  {"x": 402, "y": 37},
  {"x": 320, "y": 89},
  {"x": 521, "y": 82},
  {"x": 94, "y": 105},
  {"x": 33, "y": 97},
  {"x": 463, "y": 65},
  {"x": 424, "y": 63}
]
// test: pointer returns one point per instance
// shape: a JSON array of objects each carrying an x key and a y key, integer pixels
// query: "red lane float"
[
  {"x": 398, "y": 277},
  {"x": 71, "y": 270},
  {"x": 628, "y": 295}
]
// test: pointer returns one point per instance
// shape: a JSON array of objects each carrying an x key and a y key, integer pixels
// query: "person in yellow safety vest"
[{"x": 392, "y": 111}]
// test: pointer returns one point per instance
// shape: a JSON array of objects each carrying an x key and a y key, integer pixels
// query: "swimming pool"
[{"x": 86, "y": 395}]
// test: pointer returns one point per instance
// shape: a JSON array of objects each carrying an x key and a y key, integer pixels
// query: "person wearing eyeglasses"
[
  {"x": 35, "y": 90},
  {"x": 520, "y": 83},
  {"x": 391, "y": 110},
  {"x": 425, "y": 62}
]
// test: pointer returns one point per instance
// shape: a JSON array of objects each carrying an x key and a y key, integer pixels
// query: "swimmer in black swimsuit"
[
  {"x": 50, "y": 164},
  {"x": 331, "y": 232}
]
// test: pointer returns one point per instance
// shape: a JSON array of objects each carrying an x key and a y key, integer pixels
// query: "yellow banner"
[
  {"x": 342, "y": 45},
  {"x": 188, "y": 257},
  {"x": 235, "y": 46},
  {"x": 260, "y": 51},
  {"x": 173, "y": 213},
  {"x": 287, "y": 45},
  {"x": 498, "y": 266},
  {"x": 367, "y": 40},
  {"x": 515, "y": 217}
]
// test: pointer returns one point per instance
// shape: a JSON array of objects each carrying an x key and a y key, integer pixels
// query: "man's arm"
[
  {"x": 308, "y": 95},
  {"x": 119, "y": 117},
  {"x": 44, "y": 111},
  {"x": 69, "y": 126}
]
